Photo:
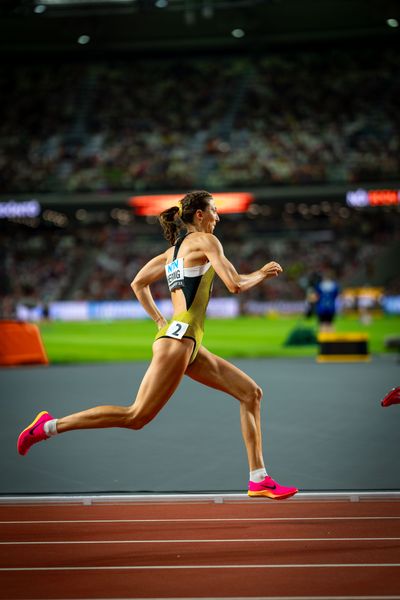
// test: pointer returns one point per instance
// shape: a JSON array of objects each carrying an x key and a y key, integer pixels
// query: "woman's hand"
[
  {"x": 160, "y": 322},
  {"x": 271, "y": 269}
]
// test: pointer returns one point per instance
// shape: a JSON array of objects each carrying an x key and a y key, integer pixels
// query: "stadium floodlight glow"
[
  {"x": 39, "y": 9},
  {"x": 392, "y": 22},
  {"x": 162, "y": 3},
  {"x": 83, "y": 39},
  {"x": 153, "y": 205},
  {"x": 238, "y": 33}
]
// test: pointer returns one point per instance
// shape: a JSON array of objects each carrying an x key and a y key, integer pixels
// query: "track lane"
[
  {"x": 204, "y": 530},
  {"x": 191, "y": 583},
  {"x": 254, "y": 508},
  {"x": 215, "y": 553}
]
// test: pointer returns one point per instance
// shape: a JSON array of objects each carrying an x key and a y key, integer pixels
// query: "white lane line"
[
  {"x": 186, "y": 567},
  {"x": 260, "y": 598},
  {"x": 203, "y": 541},
  {"x": 212, "y": 520}
]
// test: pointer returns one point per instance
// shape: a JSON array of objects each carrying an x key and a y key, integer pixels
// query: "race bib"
[
  {"x": 177, "y": 330},
  {"x": 174, "y": 273}
]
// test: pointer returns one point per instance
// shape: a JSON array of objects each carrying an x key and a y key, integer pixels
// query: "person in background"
[
  {"x": 311, "y": 295},
  {"x": 327, "y": 291}
]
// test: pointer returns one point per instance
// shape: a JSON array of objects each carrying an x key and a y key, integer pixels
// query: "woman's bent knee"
[
  {"x": 253, "y": 396},
  {"x": 137, "y": 421},
  {"x": 258, "y": 394}
]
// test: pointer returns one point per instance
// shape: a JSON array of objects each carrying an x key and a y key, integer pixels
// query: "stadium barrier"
[
  {"x": 229, "y": 307},
  {"x": 21, "y": 344}
]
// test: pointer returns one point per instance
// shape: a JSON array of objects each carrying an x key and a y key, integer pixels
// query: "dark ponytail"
[
  {"x": 170, "y": 223},
  {"x": 173, "y": 219}
]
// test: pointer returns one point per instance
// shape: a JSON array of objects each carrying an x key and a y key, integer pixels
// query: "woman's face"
[{"x": 210, "y": 217}]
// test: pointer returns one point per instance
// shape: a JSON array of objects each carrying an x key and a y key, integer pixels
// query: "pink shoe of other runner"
[
  {"x": 393, "y": 397},
  {"x": 34, "y": 433},
  {"x": 270, "y": 489}
]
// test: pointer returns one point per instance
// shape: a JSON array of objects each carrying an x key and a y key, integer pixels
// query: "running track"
[{"x": 247, "y": 548}]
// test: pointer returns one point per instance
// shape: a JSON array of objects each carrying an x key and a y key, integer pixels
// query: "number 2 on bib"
[{"x": 177, "y": 330}]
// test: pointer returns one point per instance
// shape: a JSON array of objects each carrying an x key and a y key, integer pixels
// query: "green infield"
[{"x": 96, "y": 341}]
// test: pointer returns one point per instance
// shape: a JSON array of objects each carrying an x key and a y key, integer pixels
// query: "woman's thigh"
[
  {"x": 218, "y": 373},
  {"x": 167, "y": 367}
]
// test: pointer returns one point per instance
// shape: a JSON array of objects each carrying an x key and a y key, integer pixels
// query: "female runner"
[{"x": 189, "y": 265}]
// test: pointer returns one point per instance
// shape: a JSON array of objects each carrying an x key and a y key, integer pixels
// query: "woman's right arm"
[
  {"x": 234, "y": 281},
  {"x": 151, "y": 272}
]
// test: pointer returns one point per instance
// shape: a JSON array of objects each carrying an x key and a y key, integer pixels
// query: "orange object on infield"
[{"x": 21, "y": 344}]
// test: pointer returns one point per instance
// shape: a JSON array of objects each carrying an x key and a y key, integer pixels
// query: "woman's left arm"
[{"x": 151, "y": 272}]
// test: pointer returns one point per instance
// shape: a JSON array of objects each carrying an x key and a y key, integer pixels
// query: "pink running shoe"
[
  {"x": 34, "y": 433},
  {"x": 393, "y": 397},
  {"x": 270, "y": 489}
]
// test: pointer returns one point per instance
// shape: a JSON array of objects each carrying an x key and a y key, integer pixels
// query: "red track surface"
[{"x": 236, "y": 549}]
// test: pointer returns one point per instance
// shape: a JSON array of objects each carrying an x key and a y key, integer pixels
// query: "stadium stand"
[
  {"x": 205, "y": 123},
  {"x": 289, "y": 130}
]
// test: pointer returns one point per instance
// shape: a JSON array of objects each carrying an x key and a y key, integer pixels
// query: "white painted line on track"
[
  {"x": 185, "y": 541},
  {"x": 202, "y": 520},
  {"x": 257, "y": 598},
  {"x": 188, "y": 567}
]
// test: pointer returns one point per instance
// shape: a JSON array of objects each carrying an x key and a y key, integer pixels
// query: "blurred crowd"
[
  {"x": 184, "y": 123},
  {"x": 327, "y": 117},
  {"x": 98, "y": 262},
  {"x": 38, "y": 108}
]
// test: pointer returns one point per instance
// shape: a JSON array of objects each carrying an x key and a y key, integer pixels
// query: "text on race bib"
[{"x": 174, "y": 274}]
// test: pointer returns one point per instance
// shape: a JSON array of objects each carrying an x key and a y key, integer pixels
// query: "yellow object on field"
[{"x": 343, "y": 347}]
